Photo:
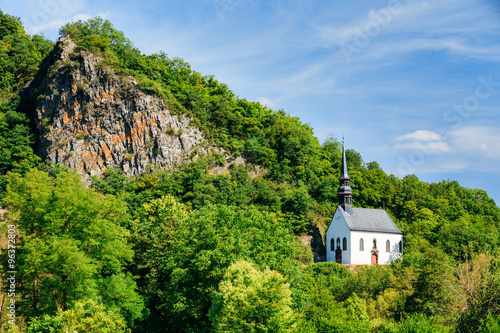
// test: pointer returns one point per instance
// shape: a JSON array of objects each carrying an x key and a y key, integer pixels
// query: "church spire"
[
  {"x": 343, "y": 170},
  {"x": 345, "y": 191}
]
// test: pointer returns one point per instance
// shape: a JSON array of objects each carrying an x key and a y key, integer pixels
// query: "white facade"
[
  {"x": 337, "y": 230},
  {"x": 360, "y": 247}
]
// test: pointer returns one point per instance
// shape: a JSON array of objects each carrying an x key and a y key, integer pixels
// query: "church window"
[
  {"x": 374, "y": 243},
  {"x": 388, "y": 246},
  {"x": 338, "y": 243},
  {"x": 332, "y": 244},
  {"x": 361, "y": 244},
  {"x": 400, "y": 247},
  {"x": 344, "y": 244}
]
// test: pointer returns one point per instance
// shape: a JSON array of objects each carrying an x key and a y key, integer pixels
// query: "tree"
[
  {"x": 183, "y": 255},
  {"x": 20, "y": 57},
  {"x": 331, "y": 305},
  {"x": 332, "y": 150},
  {"x": 249, "y": 300},
  {"x": 20, "y": 54},
  {"x": 74, "y": 245},
  {"x": 474, "y": 293},
  {"x": 354, "y": 159},
  {"x": 85, "y": 317}
]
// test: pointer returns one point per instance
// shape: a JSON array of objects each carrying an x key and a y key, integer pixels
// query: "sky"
[{"x": 412, "y": 84}]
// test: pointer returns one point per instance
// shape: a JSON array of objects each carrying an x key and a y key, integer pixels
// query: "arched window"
[
  {"x": 388, "y": 246},
  {"x": 338, "y": 243},
  {"x": 332, "y": 244},
  {"x": 361, "y": 244},
  {"x": 400, "y": 247},
  {"x": 344, "y": 244},
  {"x": 374, "y": 243}
]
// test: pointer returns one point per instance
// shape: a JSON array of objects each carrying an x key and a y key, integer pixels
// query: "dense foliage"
[
  {"x": 74, "y": 245},
  {"x": 193, "y": 251},
  {"x": 250, "y": 300},
  {"x": 20, "y": 56}
]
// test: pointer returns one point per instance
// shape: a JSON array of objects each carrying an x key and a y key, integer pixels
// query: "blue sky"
[{"x": 415, "y": 85}]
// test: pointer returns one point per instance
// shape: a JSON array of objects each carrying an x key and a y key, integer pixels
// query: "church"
[{"x": 361, "y": 236}]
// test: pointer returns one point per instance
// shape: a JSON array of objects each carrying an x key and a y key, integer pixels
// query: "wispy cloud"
[
  {"x": 267, "y": 102},
  {"x": 426, "y": 141},
  {"x": 47, "y": 17},
  {"x": 376, "y": 21},
  {"x": 427, "y": 148},
  {"x": 481, "y": 141},
  {"x": 421, "y": 135},
  {"x": 450, "y": 166},
  {"x": 451, "y": 44},
  {"x": 414, "y": 26},
  {"x": 57, "y": 23}
]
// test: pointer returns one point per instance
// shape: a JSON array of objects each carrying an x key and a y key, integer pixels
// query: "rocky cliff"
[{"x": 89, "y": 118}]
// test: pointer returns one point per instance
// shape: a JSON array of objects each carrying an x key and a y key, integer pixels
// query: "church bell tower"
[{"x": 345, "y": 191}]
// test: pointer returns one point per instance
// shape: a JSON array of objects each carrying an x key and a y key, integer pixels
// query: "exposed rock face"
[{"x": 92, "y": 119}]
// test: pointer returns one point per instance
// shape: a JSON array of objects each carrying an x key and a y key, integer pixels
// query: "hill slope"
[
  {"x": 90, "y": 118},
  {"x": 186, "y": 250}
]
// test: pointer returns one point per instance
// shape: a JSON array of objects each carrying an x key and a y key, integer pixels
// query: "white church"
[{"x": 361, "y": 236}]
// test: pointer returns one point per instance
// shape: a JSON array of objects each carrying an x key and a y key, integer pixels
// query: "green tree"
[
  {"x": 249, "y": 300},
  {"x": 85, "y": 316},
  {"x": 474, "y": 293},
  {"x": 331, "y": 305},
  {"x": 184, "y": 256},
  {"x": 74, "y": 245},
  {"x": 20, "y": 57}
]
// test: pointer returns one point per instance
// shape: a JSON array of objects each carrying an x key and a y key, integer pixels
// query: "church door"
[
  {"x": 374, "y": 253},
  {"x": 338, "y": 255}
]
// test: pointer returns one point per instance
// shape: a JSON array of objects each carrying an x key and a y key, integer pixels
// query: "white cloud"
[
  {"x": 456, "y": 46},
  {"x": 427, "y": 148},
  {"x": 414, "y": 26},
  {"x": 421, "y": 135},
  {"x": 376, "y": 21},
  {"x": 482, "y": 141},
  {"x": 267, "y": 102},
  {"x": 56, "y": 23},
  {"x": 451, "y": 166},
  {"x": 306, "y": 74}
]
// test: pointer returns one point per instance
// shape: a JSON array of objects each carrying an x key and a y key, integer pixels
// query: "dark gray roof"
[
  {"x": 367, "y": 219},
  {"x": 343, "y": 169}
]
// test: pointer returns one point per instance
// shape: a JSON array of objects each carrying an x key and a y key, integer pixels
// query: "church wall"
[
  {"x": 365, "y": 257},
  {"x": 338, "y": 229}
]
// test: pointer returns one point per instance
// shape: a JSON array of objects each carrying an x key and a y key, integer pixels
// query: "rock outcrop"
[{"x": 90, "y": 119}]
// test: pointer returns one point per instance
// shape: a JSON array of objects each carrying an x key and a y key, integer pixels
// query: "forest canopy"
[{"x": 189, "y": 250}]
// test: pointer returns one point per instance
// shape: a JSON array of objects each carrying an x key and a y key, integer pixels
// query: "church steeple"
[{"x": 345, "y": 191}]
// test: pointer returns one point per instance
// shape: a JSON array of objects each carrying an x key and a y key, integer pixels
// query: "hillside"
[
  {"x": 195, "y": 203},
  {"x": 91, "y": 119}
]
